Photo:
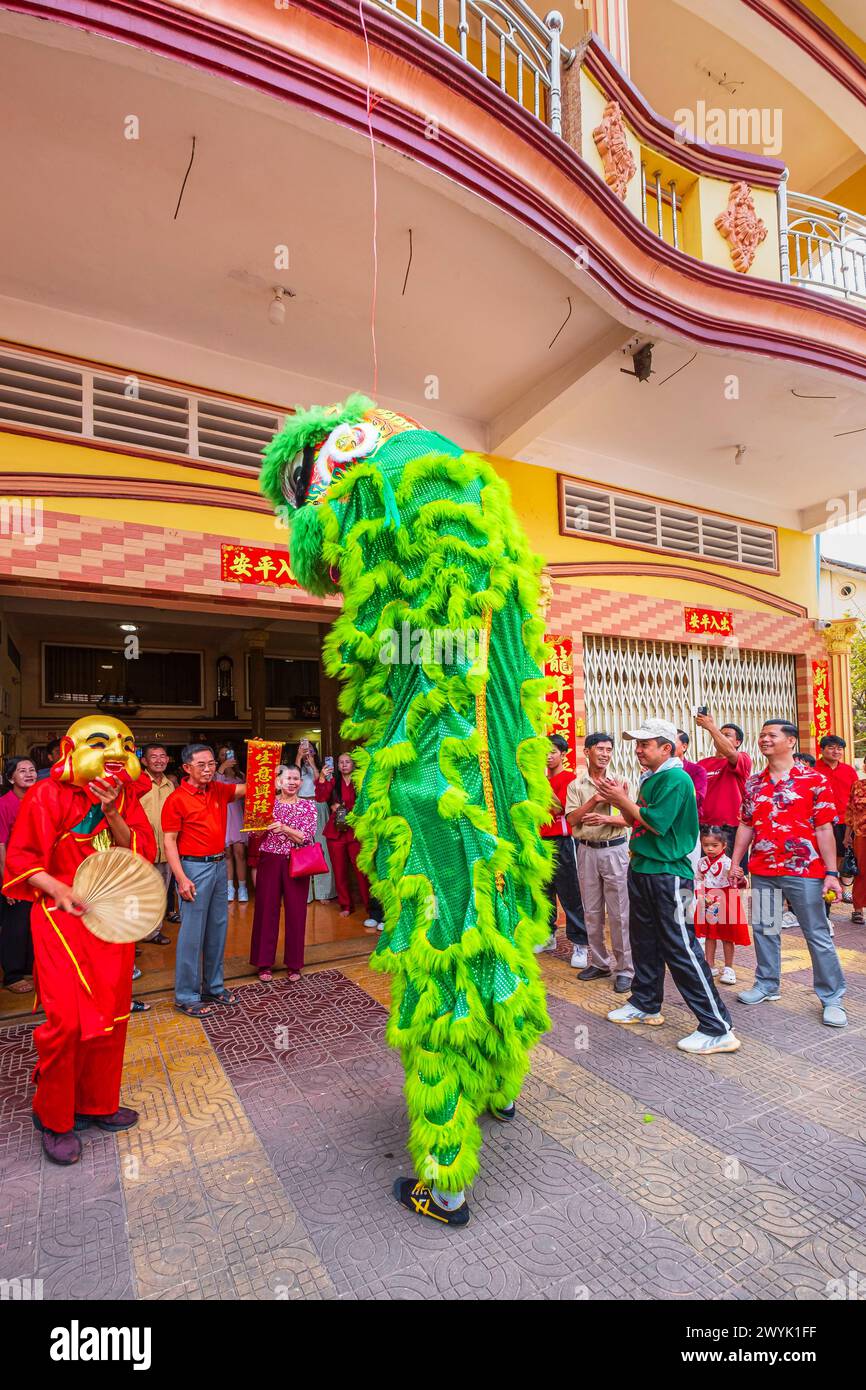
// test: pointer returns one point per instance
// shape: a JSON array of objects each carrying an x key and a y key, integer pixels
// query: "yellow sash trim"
[
  {"x": 47, "y": 910},
  {"x": 28, "y": 873}
]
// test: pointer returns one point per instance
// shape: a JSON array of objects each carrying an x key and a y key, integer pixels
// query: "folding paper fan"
[{"x": 125, "y": 895}]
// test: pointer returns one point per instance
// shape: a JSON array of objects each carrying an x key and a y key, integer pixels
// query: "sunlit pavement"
[{"x": 270, "y": 1137}]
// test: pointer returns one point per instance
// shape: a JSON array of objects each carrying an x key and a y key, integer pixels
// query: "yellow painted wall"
[
  {"x": 534, "y": 492},
  {"x": 26, "y": 454},
  {"x": 851, "y": 193}
]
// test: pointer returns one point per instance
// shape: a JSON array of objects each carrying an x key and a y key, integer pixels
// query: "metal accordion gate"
[{"x": 627, "y": 679}]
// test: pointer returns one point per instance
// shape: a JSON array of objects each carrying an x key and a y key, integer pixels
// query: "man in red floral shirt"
[{"x": 787, "y": 818}]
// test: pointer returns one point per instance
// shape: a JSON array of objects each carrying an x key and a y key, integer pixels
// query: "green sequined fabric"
[{"x": 439, "y": 635}]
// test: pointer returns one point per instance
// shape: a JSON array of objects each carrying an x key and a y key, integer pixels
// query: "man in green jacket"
[{"x": 661, "y": 894}]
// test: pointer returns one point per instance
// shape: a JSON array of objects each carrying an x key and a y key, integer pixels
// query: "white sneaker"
[
  {"x": 704, "y": 1045},
  {"x": 579, "y": 958},
  {"x": 230, "y": 893},
  {"x": 371, "y": 922},
  {"x": 789, "y": 920},
  {"x": 629, "y": 1014},
  {"x": 380, "y": 926},
  {"x": 831, "y": 929},
  {"x": 548, "y": 945},
  {"x": 728, "y": 976},
  {"x": 714, "y": 970},
  {"x": 243, "y": 895}
]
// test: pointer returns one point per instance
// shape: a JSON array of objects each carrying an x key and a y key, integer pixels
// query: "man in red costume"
[{"x": 83, "y": 984}]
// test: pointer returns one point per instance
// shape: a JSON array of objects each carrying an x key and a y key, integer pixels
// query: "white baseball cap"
[{"x": 654, "y": 728}]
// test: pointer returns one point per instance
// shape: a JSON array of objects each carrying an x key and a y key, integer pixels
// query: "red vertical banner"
[
  {"x": 821, "y": 720},
  {"x": 560, "y": 668},
  {"x": 263, "y": 759}
]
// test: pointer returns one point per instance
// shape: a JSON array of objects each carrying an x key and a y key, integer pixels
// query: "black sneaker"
[
  {"x": 418, "y": 1198},
  {"x": 506, "y": 1114}
]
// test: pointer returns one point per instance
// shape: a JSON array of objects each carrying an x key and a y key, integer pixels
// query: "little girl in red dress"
[{"x": 719, "y": 911}]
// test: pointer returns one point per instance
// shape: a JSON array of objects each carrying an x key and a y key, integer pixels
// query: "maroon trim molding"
[
  {"x": 660, "y": 134},
  {"x": 855, "y": 82},
  {"x": 580, "y": 568},
  {"x": 168, "y": 601},
  {"x": 198, "y": 40}
]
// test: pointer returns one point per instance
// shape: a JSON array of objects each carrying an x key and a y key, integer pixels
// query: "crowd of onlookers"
[
  {"x": 207, "y": 860},
  {"x": 643, "y": 868},
  {"x": 703, "y": 851}
]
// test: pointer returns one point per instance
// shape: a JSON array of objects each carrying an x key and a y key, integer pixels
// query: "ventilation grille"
[
  {"x": 40, "y": 394},
  {"x": 650, "y": 525}
]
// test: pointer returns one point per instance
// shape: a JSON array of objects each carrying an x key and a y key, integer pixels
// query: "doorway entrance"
[{"x": 175, "y": 676}]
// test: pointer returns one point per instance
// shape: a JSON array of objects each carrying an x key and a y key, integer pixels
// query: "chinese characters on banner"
[
  {"x": 249, "y": 564},
  {"x": 820, "y": 699},
  {"x": 263, "y": 759},
  {"x": 560, "y": 699},
  {"x": 710, "y": 620}
]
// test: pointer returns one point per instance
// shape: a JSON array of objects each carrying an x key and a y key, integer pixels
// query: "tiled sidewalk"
[{"x": 269, "y": 1140}]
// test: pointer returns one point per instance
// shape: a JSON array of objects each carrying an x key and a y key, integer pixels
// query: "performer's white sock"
[{"x": 449, "y": 1201}]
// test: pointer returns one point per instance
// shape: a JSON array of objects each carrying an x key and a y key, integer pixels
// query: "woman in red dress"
[{"x": 338, "y": 790}]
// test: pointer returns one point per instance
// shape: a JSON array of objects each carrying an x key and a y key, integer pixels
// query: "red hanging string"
[{"x": 370, "y": 104}]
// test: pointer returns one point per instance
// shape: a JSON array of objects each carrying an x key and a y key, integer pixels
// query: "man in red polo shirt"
[
  {"x": 788, "y": 819},
  {"x": 194, "y": 830},
  {"x": 726, "y": 771},
  {"x": 841, "y": 777}
]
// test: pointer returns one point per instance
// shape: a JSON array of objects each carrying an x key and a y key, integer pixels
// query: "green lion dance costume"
[{"x": 439, "y": 646}]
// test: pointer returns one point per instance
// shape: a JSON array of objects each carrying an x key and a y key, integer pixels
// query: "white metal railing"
[
  {"x": 821, "y": 245},
  {"x": 503, "y": 39},
  {"x": 652, "y": 190}
]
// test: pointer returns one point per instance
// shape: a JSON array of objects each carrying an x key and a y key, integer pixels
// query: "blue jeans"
[
  {"x": 201, "y": 941},
  {"x": 806, "y": 896}
]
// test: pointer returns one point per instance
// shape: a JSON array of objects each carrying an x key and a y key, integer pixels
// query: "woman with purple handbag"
[{"x": 287, "y": 858}]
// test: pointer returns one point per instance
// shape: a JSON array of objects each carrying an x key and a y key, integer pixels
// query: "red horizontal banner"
[
  {"x": 711, "y": 620},
  {"x": 250, "y": 564}
]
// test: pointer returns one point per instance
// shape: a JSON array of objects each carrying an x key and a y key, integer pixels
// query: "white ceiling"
[
  {"x": 91, "y": 231},
  {"x": 673, "y": 53}
]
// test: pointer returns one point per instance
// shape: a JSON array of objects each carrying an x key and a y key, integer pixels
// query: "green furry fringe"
[{"x": 461, "y": 1053}]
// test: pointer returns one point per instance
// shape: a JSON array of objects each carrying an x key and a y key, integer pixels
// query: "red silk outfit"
[
  {"x": 83, "y": 984},
  {"x": 343, "y": 845}
]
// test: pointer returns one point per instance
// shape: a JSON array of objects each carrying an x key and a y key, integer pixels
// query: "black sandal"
[
  {"x": 160, "y": 939},
  {"x": 225, "y": 998},
  {"x": 200, "y": 1010}
]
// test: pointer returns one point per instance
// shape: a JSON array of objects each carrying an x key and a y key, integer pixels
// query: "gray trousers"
[
  {"x": 201, "y": 941},
  {"x": 806, "y": 896},
  {"x": 603, "y": 877}
]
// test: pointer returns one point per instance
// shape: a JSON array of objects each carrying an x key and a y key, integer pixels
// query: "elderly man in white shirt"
[{"x": 601, "y": 835}]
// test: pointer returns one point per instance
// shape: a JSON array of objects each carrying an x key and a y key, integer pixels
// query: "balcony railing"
[
  {"x": 503, "y": 39},
  {"x": 822, "y": 245}
]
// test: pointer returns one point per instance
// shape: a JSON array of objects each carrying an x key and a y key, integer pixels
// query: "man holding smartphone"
[{"x": 727, "y": 770}]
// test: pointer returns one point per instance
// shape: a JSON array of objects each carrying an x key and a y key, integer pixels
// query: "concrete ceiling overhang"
[{"x": 492, "y": 335}]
